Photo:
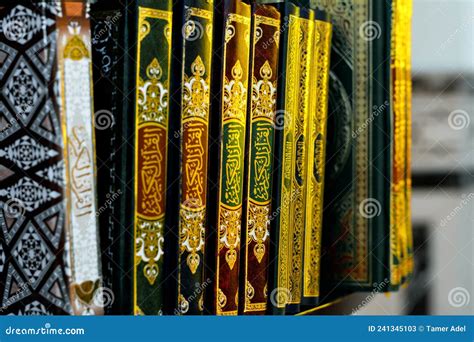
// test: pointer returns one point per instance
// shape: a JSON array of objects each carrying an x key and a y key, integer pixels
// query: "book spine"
[
  {"x": 113, "y": 195},
  {"x": 32, "y": 187},
  {"x": 288, "y": 85},
  {"x": 194, "y": 130},
  {"x": 153, "y": 56},
  {"x": 407, "y": 34},
  {"x": 316, "y": 154},
  {"x": 75, "y": 60},
  {"x": 373, "y": 159},
  {"x": 298, "y": 172},
  {"x": 398, "y": 148},
  {"x": 258, "y": 182},
  {"x": 233, "y": 111},
  {"x": 400, "y": 226}
]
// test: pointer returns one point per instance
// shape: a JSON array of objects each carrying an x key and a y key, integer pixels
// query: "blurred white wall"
[{"x": 443, "y": 36}]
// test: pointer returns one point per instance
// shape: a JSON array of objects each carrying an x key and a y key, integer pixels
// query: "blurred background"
[{"x": 443, "y": 166}]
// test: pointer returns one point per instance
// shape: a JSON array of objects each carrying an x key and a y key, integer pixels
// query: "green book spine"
[{"x": 153, "y": 56}]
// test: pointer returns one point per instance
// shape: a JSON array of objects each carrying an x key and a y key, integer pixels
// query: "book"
[
  {"x": 193, "y": 97},
  {"x": 299, "y": 170},
  {"x": 111, "y": 33},
  {"x": 232, "y": 37},
  {"x": 282, "y": 196},
  {"x": 33, "y": 264},
  {"x": 401, "y": 248},
  {"x": 77, "y": 119},
  {"x": 316, "y": 154},
  {"x": 408, "y": 14},
  {"x": 359, "y": 137},
  {"x": 259, "y": 158},
  {"x": 152, "y": 81}
]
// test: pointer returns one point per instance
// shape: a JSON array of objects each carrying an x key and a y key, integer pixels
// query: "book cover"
[
  {"x": 152, "y": 80},
  {"x": 299, "y": 170},
  {"x": 400, "y": 220},
  {"x": 194, "y": 89},
  {"x": 232, "y": 36},
  {"x": 114, "y": 128},
  {"x": 359, "y": 160},
  {"x": 316, "y": 154},
  {"x": 259, "y": 158},
  {"x": 282, "y": 196},
  {"x": 82, "y": 233}
]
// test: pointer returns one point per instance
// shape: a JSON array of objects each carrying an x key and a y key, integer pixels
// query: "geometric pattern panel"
[
  {"x": 15, "y": 288},
  {"x": 43, "y": 54},
  {"x": 32, "y": 255},
  {"x": 8, "y": 124},
  {"x": 51, "y": 221},
  {"x": 55, "y": 290},
  {"x": 47, "y": 124},
  {"x": 7, "y": 55},
  {"x": 10, "y": 221},
  {"x": 32, "y": 212},
  {"x": 23, "y": 90},
  {"x": 27, "y": 152}
]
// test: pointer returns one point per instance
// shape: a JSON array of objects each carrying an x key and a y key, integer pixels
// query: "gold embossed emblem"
[
  {"x": 149, "y": 247},
  {"x": 258, "y": 231},
  {"x": 235, "y": 94},
  {"x": 196, "y": 91},
  {"x": 264, "y": 93},
  {"x": 192, "y": 236},
  {"x": 230, "y": 234},
  {"x": 153, "y": 95}
]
